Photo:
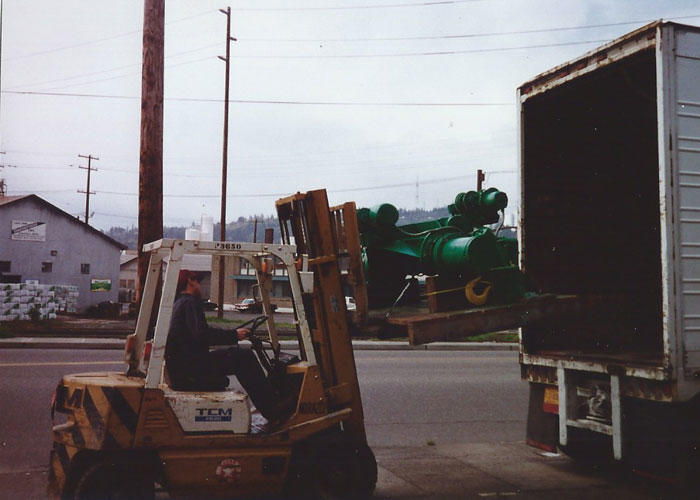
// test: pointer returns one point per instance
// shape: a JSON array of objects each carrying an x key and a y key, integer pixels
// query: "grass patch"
[
  {"x": 505, "y": 336},
  {"x": 5, "y": 332},
  {"x": 236, "y": 322}
]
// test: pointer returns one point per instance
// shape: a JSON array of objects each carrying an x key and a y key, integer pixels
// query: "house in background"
[
  {"x": 40, "y": 242},
  {"x": 240, "y": 282},
  {"x": 128, "y": 273}
]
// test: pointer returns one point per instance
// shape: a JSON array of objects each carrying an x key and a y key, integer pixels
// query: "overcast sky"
[{"x": 396, "y": 101}]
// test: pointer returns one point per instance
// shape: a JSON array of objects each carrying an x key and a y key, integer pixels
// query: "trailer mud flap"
[{"x": 542, "y": 423}]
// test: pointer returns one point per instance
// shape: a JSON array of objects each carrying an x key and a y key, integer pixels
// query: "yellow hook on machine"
[{"x": 478, "y": 299}]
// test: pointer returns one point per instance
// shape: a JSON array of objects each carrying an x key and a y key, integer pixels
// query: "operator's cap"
[{"x": 186, "y": 274}]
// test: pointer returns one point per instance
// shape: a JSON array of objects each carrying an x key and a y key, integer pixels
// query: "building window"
[
  {"x": 46, "y": 267},
  {"x": 54, "y": 253},
  {"x": 131, "y": 284},
  {"x": 5, "y": 266},
  {"x": 122, "y": 283},
  {"x": 85, "y": 268}
]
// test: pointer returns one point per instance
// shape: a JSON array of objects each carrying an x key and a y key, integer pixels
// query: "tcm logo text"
[{"x": 213, "y": 414}]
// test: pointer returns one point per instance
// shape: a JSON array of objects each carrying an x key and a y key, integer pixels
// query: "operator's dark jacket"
[{"x": 187, "y": 352}]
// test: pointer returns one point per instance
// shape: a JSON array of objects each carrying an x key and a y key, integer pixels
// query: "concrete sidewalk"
[
  {"x": 460, "y": 471},
  {"x": 359, "y": 345}
]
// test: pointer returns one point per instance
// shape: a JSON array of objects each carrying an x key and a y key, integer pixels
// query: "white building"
[{"x": 41, "y": 243}]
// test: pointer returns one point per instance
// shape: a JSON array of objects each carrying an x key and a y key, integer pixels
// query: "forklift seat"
[{"x": 190, "y": 384}]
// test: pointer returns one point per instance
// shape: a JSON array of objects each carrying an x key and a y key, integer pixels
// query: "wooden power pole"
[
  {"x": 480, "y": 178},
  {"x": 224, "y": 165},
  {"x": 151, "y": 154},
  {"x": 87, "y": 189}
]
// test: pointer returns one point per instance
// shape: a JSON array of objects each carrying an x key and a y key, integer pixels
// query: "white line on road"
[{"x": 61, "y": 363}]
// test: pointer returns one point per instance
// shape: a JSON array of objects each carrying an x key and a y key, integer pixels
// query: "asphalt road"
[
  {"x": 412, "y": 397},
  {"x": 409, "y": 397},
  {"x": 443, "y": 425}
]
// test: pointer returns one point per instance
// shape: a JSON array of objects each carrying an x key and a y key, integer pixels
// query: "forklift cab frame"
[{"x": 150, "y": 360}]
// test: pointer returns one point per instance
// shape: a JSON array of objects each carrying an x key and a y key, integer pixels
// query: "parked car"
[
  {"x": 251, "y": 306},
  {"x": 209, "y": 305}
]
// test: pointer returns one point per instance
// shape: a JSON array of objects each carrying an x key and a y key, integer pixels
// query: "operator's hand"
[{"x": 242, "y": 333}]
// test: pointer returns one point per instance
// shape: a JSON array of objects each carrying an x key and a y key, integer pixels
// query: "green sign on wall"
[{"x": 100, "y": 285}]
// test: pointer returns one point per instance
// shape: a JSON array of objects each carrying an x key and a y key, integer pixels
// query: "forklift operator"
[{"x": 192, "y": 367}]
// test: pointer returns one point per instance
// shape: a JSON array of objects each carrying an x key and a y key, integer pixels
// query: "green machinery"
[{"x": 461, "y": 249}]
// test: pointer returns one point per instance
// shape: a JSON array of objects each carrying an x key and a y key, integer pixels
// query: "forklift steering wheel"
[{"x": 254, "y": 324}]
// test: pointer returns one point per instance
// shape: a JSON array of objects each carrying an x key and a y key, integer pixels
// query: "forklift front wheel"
[
  {"x": 335, "y": 468},
  {"x": 113, "y": 480}
]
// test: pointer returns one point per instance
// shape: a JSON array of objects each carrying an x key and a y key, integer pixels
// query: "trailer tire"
[
  {"x": 588, "y": 448},
  {"x": 109, "y": 479}
]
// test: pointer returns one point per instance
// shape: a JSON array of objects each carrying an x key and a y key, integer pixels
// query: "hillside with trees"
[{"x": 243, "y": 228}]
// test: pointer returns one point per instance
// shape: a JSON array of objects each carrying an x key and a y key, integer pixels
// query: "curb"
[{"x": 358, "y": 345}]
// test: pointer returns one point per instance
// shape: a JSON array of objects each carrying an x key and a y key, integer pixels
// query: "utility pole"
[
  {"x": 87, "y": 190},
  {"x": 3, "y": 184},
  {"x": 1, "y": 4},
  {"x": 3, "y": 189},
  {"x": 151, "y": 152},
  {"x": 224, "y": 163},
  {"x": 417, "y": 193},
  {"x": 480, "y": 178}
]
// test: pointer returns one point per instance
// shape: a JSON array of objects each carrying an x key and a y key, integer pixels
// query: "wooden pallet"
[{"x": 450, "y": 325}]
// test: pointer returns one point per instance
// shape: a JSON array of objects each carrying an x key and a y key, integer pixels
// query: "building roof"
[
  {"x": 8, "y": 200},
  {"x": 127, "y": 256}
]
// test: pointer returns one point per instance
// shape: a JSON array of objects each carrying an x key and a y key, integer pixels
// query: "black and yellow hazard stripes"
[
  {"x": 100, "y": 418},
  {"x": 105, "y": 417},
  {"x": 59, "y": 464}
]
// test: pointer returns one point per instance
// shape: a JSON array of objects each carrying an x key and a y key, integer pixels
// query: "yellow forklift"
[{"x": 123, "y": 432}]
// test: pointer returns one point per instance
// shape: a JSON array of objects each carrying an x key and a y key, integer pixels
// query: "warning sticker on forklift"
[
  {"x": 229, "y": 470},
  {"x": 551, "y": 400}
]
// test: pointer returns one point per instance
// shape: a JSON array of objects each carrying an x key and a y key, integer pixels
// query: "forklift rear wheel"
[
  {"x": 337, "y": 468},
  {"x": 113, "y": 481}
]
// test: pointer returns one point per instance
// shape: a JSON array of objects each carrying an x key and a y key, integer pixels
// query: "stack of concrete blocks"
[{"x": 23, "y": 301}]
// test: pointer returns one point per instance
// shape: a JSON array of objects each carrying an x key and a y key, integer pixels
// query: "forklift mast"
[{"x": 307, "y": 218}]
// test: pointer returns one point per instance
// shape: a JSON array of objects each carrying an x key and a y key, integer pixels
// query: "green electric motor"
[{"x": 460, "y": 246}]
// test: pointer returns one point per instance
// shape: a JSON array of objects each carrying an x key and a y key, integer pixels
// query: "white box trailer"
[{"x": 610, "y": 205}]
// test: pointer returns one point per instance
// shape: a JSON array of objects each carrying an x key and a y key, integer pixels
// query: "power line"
[
  {"x": 99, "y": 40},
  {"x": 281, "y": 194},
  {"x": 420, "y": 54},
  {"x": 339, "y": 168},
  {"x": 409, "y": 38},
  {"x": 312, "y": 56},
  {"x": 419, "y": 145},
  {"x": 261, "y": 101},
  {"x": 83, "y": 75},
  {"x": 127, "y": 75},
  {"x": 356, "y": 7},
  {"x": 302, "y": 56},
  {"x": 441, "y": 151},
  {"x": 462, "y": 36}
]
